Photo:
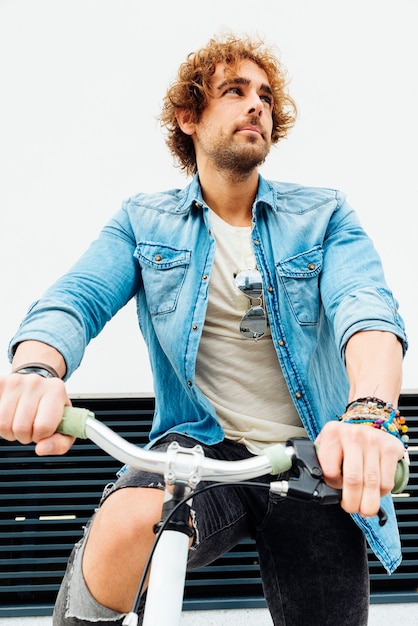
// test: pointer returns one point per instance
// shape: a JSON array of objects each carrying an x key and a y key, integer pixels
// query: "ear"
[{"x": 183, "y": 117}]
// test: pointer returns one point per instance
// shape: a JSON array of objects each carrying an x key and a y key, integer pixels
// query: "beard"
[{"x": 238, "y": 158}]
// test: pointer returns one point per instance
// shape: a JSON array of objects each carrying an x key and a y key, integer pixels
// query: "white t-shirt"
[{"x": 241, "y": 377}]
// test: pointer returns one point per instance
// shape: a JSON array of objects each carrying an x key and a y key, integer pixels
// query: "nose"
[{"x": 256, "y": 106}]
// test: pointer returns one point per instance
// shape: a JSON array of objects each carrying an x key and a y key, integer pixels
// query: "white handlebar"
[{"x": 81, "y": 423}]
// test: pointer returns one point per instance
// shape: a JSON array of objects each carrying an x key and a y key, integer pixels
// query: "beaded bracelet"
[{"x": 378, "y": 414}]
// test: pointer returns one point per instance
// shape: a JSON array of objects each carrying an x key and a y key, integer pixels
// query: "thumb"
[{"x": 56, "y": 444}]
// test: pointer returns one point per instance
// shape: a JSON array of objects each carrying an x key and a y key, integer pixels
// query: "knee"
[{"x": 126, "y": 517}]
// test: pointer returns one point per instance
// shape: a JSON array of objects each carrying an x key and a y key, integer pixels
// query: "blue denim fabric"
[{"x": 323, "y": 282}]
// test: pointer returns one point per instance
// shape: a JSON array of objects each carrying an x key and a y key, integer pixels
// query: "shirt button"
[
  {"x": 281, "y": 342},
  {"x": 311, "y": 266},
  {"x": 195, "y": 327},
  {"x": 298, "y": 395},
  {"x": 158, "y": 257},
  {"x": 190, "y": 383},
  {"x": 269, "y": 288},
  {"x": 256, "y": 242},
  {"x": 205, "y": 277}
]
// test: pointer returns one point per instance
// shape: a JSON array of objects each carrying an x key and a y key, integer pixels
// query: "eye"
[
  {"x": 267, "y": 99},
  {"x": 234, "y": 89}
]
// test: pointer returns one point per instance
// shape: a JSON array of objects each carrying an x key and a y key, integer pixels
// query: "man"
[{"x": 236, "y": 367}]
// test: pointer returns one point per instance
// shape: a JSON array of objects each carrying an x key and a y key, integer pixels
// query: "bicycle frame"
[{"x": 183, "y": 469}]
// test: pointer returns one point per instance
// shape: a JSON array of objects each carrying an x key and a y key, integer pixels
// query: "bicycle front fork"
[{"x": 169, "y": 561}]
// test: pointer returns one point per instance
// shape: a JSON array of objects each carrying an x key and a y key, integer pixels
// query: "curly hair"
[{"x": 192, "y": 87}]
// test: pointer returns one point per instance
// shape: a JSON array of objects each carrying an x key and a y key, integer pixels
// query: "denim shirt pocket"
[
  {"x": 299, "y": 276},
  {"x": 163, "y": 270}
]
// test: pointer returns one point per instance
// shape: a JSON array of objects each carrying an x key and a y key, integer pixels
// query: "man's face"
[{"x": 234, "y": 131}]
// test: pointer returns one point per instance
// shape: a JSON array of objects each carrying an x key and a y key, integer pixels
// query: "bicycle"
[{"x": 183, "y": 469}]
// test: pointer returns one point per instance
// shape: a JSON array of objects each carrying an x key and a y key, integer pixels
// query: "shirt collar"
[{"x": 192, "y": 195}]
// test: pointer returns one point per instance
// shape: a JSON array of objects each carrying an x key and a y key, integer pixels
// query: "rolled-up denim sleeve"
[
  {"x": 354, "y": 291},
  {"x": 368, "y": 309},
  {"x": 79, "y": 304}
]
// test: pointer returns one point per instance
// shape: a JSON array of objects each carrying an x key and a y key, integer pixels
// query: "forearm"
[
  {"x": 374, "y": 366},
  {"x": 39, "y": 352},
  {"x": 361, "y": 460}
]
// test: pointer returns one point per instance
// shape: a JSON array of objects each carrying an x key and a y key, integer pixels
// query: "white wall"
[{"x": 81, "y": 86}]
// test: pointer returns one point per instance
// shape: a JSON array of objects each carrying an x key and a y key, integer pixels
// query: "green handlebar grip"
[
  {"x": 280, "y": 461},
  {"x": 401, "y": 476},
  {"x": 73, "y": 422}
]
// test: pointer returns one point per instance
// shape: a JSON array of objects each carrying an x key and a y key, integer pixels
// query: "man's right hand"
[{"x": 31, "y": 408}]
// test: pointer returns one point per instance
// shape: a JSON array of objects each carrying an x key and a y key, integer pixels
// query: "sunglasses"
[{"x": 253, "y": 324}]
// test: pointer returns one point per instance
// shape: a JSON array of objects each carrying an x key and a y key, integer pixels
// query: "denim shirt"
[{"x": 323, "y": 282}]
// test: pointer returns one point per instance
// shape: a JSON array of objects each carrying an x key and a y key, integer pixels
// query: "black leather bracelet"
[{"x": 46, "y": 371}]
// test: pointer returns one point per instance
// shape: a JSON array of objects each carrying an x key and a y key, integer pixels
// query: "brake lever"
[{"x": 306, "y": 481}]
